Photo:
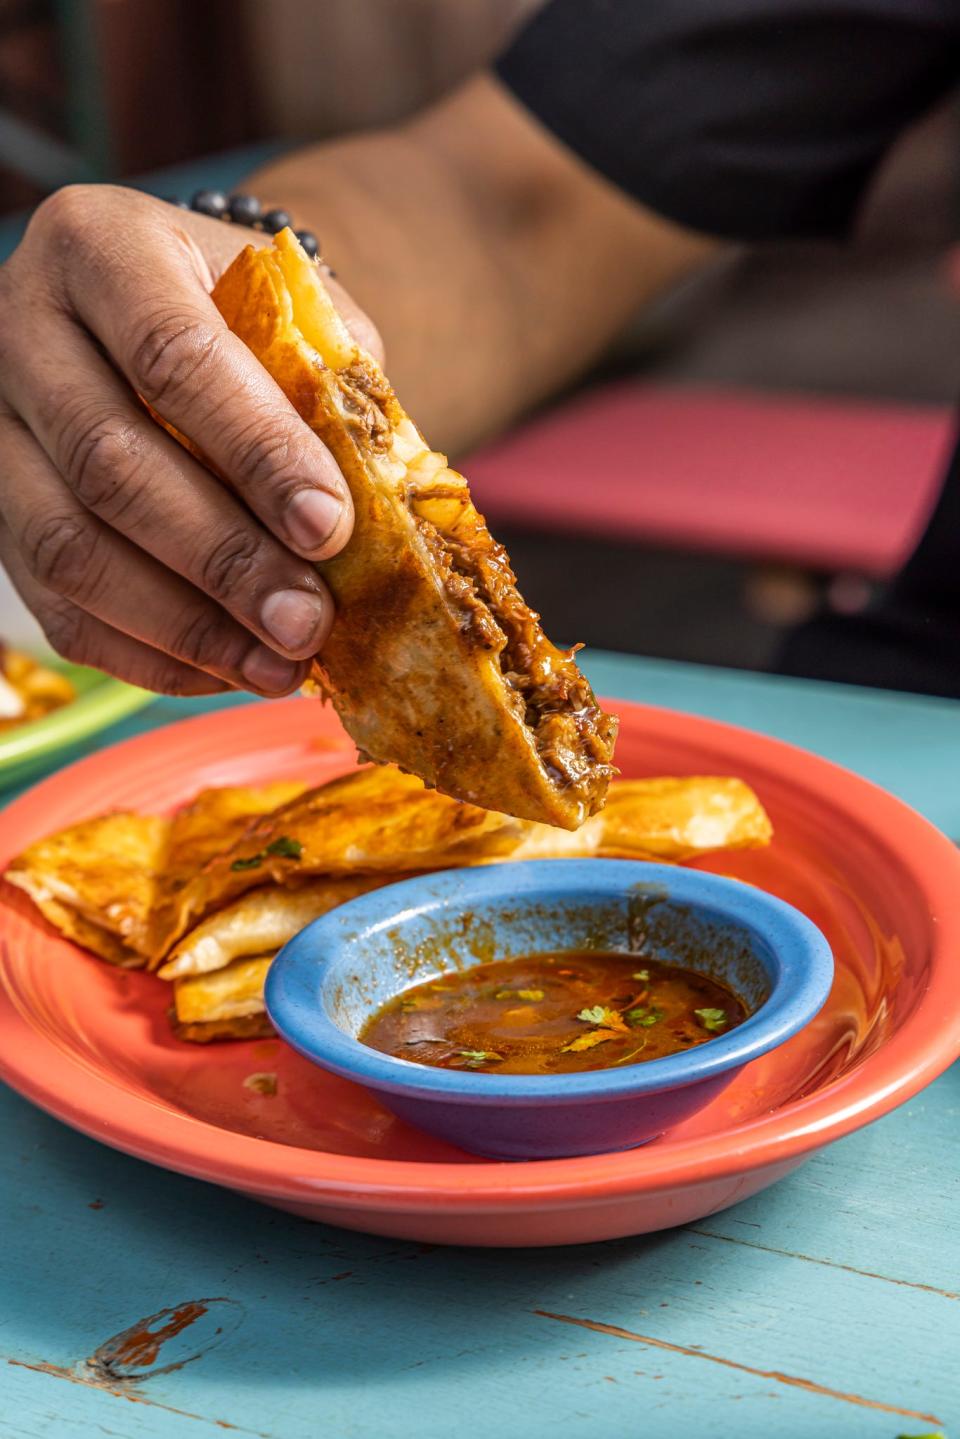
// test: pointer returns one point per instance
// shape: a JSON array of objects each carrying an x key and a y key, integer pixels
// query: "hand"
[{"x": 133, "y": 557}]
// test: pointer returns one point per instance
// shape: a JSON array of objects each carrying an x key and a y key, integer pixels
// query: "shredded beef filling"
[
  {"x": 364, "y": 396},
  {"x": 572, "y": 734}
]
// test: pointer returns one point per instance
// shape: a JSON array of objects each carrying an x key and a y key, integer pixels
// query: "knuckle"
[
  {"x": 66, "y": 208},
  {"x": 171, "y": 354},
  {"x": 66, "y": 221},
  {"x": 204, "y": 640},
  {"x": 65, "y": 630},
  {"x": 169, "y": 678},
  {"x": 99, "y": 457},
  {"x": 70, "y": 632},
  {"x": 84, "y": 210},
  {"x": 232, "y": 566},
  {"x": 268, "y": 454},
  {"x": 61, "y": 553}
]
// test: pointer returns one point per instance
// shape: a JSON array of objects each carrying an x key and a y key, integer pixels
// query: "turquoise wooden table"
[{"x": 828, "y": 1306}]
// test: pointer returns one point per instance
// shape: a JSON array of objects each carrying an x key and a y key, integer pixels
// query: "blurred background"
[{"x": 771, "y": 438}]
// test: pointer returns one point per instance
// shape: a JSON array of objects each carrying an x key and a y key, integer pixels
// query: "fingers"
[
  {"x": 83, "y": 640},
  {"x": 123, "y": 468},
  {"x": 60, "y": 548},
  {"x": 148, "y": 306}
]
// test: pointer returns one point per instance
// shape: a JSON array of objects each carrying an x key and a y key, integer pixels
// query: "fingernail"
[
  {"x": 265, "y": 670},
  {"x": 312, "y": 517},
  {"x": 293, "y": 618}
]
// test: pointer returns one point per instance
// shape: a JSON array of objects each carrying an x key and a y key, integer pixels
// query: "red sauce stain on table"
[{"x": 139, "y": 1346}]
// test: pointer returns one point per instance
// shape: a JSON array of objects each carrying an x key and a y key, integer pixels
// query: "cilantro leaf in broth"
[
  {"x": 473, "y": 1058},
  {"x": 588, "y": 1041},
  {"x": 595, "y": 1015},
  {"x": 644, "y": 1016},
  {"x": 712, "y": 1019}
]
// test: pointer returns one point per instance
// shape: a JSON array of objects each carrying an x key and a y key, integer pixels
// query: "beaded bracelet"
[{"x": 247, "y": 210}]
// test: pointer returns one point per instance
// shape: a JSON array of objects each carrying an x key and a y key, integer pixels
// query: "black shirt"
[
  {"x": 752, "y": 119},
  {"x": 756, "y": 120}
]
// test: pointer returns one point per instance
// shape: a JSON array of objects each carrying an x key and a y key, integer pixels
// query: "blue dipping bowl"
[{"x": 327, "y": 982}]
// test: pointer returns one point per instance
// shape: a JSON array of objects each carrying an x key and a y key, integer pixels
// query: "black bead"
[
  {"x": 276, "y": 220},
  {"x": 309, "y": 242},
  {"x": 210, "y": 202},
  {"x": 244, "y": 209},
  {"x": 172, "y": 200}
]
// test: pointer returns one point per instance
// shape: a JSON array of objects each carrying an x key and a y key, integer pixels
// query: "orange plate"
[{"x": 91, "y": 1044}]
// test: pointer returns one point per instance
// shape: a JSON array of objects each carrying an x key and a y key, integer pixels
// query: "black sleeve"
[{"x": 755, "y": 119}]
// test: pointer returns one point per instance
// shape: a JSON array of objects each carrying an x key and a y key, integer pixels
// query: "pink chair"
[{"x": 821, "y": 484}]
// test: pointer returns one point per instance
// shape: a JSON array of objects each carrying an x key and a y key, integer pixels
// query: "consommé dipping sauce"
[{"x": 554, "y": 1014}]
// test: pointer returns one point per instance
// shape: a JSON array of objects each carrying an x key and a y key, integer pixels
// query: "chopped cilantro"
[
  {"x": 641, "y": 974},
  {"x": 588, "y": 1041},
  {"x": 596, "y": 1015},
  {"x": 253, "y": 861},
  {"x": 530, "y": 993},
  {"x": 285, "y": 847},
  {"x": 473, "y": 1058},
  {"x": 712, "y": 1019},
  {"x": 600, "y": 1014},
  {"x": 644, "y": 1016}
]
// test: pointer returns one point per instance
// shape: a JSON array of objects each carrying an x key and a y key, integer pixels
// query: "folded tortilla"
[
  {"x": 96, "y": 882},
  {"x": 235, "y": 992},
  {"x": 654, "y": 819},
  {"x": 204, "y": 828},
  {"x": 110, "y": 883},
  {"x": 376, "y": 820},
  {"x": 227, "y": 1004},
  {"x": 129, "y": 886},
  {"x": 260, "y": 922},
  {"x": 381, "y": 822},
  {"x": 435, "y": 662},
  {"x": 254, "y": 1026}
]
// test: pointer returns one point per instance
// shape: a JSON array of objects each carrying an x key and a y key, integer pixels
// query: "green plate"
[{"x": 100, "y": 702}]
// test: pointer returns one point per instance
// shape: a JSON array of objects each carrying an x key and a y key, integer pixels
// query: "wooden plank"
[
  {"x": 883, "y": 1203},
  {"x": 693, "y": 1332}
]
